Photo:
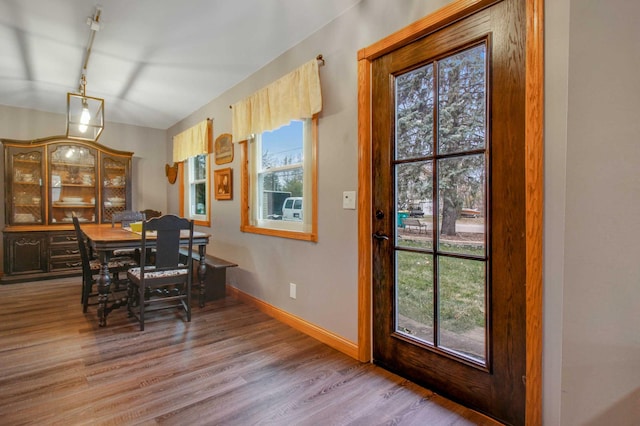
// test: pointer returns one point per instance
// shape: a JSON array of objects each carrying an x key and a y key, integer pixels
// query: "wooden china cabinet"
[{"x": 47, "y": 182}]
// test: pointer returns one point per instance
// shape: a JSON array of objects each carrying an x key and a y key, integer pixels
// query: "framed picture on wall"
[
  {"x": 223, "y": 149},
  {"x": 222, "y": 180}
]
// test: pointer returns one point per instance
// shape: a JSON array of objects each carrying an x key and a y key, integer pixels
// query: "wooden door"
[{"x": 448, "y": 195}]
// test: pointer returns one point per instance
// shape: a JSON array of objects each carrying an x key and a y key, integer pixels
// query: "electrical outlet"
[{"x": 292, "y": 290}]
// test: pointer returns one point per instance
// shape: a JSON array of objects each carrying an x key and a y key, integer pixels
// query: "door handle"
[{"x": 379, "y": 236}]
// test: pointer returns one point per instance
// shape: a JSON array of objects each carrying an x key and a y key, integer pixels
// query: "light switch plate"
[{"x": 349, "y": 200}]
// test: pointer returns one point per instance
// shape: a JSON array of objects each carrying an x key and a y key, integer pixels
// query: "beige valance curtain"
[
  {"x": 293, "y": 97},
  {"x": 193, "y": 141}
]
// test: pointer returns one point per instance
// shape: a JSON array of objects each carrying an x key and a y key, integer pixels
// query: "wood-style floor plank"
[{"x": 232, "y": 365}]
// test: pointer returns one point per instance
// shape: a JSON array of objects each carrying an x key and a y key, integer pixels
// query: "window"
[
  {"x": 279, "y": 182},
  {"x": 197, "y": 182},
  {"x": 190, "y": 150},
  {"x": 279, "y": 127}
]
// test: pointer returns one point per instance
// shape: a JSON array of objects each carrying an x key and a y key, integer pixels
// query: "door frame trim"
[{"x": 534, "y": 152}]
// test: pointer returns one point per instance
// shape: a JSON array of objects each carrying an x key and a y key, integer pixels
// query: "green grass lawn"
[{"x": 460, "y": 289}]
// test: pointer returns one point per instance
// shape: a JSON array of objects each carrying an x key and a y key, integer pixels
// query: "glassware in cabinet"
[
  {"x": 25, "y": 168},
  {"x": 73, "y": 189},
  {"x": 116, "y": 194}
]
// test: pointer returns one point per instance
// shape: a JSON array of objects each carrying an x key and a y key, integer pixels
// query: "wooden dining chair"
[
  {"x": 91, "y": 269},
  {"x": 165, "y": 284},
  {"x": 127, "y": 217},
  {"x": 150, "y": 213}
]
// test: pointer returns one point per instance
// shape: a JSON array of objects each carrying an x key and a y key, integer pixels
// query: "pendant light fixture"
[{"x": 85, "y": 114}]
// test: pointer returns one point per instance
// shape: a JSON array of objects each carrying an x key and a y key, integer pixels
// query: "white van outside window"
[
  {"x": 281, "y": 164},
  {"x": 292, "y": 209}
]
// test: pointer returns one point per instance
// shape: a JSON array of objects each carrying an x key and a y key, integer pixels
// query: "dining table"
[{"x": 104, "y": 239}]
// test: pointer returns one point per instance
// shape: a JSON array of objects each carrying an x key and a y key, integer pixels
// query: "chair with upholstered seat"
[
  {"x": 165, "y": 284},
  {"x": 91, "y": 268}
]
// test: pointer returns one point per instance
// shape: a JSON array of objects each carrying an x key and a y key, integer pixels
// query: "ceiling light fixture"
[{"x": 85, "y": 114}]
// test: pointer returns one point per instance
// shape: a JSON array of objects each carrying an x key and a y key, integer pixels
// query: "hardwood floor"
[{"x": 232, "y": 365}]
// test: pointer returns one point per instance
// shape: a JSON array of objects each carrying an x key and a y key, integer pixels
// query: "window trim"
[{"x": 246, "y": 196}]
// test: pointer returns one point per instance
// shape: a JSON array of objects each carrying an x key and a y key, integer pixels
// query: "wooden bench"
[
  {"x": 414, "y": 223},
  {"x": 216, "y": 276}
]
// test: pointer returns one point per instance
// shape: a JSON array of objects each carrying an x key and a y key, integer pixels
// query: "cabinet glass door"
[
  {"x": 24, "y": 175},
  {"x": 72, "y": 183},
  {"x": 115, "y": 176}
]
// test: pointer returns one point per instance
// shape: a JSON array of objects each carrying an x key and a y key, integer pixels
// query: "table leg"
[
  {"x": 104, "y": 285},
  {"x": 202, "y": 270}
]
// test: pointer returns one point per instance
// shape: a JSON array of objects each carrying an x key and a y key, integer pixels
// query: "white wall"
[
  {"x": 601, "y": 301},
  {"x": 556, "y": 104}
]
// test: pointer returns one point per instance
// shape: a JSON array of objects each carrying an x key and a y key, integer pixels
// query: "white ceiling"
[{"x": 153, "y": 61}]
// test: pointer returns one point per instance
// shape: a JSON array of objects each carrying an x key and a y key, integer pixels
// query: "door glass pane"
[
  {"x": 442, "y": 307},
  {"x": 462, "y": 306},
  {"x": 414, "y": 295},
  {"x": 462, "y": 101},
  {"x": 414, "y": 202},
  {"x": 414, "y": 113},
  {"x": 461, "y": 202}
]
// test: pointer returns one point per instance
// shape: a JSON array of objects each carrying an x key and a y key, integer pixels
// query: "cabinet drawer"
[
  {"x": 63, "y": 238},
  {"x": 65, "y": 264},
  {"x": 64, "y": 250}
]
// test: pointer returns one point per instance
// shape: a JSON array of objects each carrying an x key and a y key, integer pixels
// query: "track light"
[{"x": 85, "y": 114}]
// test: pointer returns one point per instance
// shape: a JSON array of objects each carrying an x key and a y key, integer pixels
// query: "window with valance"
[
  {"x": 191, "y": 149},
  {"x": 278, "y": 125}
]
